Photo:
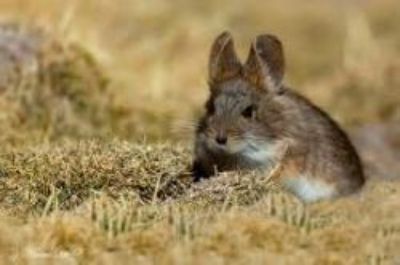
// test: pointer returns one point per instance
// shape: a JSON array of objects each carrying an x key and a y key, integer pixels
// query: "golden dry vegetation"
[{"x": 97, "y": 103}]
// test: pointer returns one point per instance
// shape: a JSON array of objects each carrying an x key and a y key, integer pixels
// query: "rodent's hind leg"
[
  {"x": 304, "y": 184},
  {"x": 199, "y": 171}
]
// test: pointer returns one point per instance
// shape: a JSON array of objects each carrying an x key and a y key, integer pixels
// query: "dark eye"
[{"x": 248, "y": 112}]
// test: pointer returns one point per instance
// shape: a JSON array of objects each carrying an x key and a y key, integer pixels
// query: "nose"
[{"x": 221, "y": 139}]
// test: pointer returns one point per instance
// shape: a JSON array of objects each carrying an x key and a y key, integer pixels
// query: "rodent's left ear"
[
  {"x": 223, "y": 63},
  {"x": 265, "y": 65}
]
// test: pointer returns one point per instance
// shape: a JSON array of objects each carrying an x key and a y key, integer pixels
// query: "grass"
[
  {"x": 97, "y": 112},
  {"x": 94, "y": 202}
]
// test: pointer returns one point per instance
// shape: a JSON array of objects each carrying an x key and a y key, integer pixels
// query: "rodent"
[{"x": 253, "y": 121}]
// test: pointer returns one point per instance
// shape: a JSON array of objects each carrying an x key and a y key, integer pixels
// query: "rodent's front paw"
[{"x": 198, "y": 171}]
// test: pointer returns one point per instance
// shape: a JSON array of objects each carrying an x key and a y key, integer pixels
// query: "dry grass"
[
  {"x": 96, "y": 117},
  {"x": 131, "y": 202}
]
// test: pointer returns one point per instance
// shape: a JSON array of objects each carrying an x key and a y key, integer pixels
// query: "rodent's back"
[{"x": 326, "y": 146}]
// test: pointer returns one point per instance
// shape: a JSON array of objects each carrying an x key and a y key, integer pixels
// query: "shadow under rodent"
[{"x": 252, "y": 121}]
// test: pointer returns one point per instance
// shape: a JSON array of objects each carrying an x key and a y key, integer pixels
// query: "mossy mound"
[{"x": 71, "y": 172}]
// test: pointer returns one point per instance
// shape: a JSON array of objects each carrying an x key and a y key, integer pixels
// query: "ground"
[{"x": 98, "y": 101}]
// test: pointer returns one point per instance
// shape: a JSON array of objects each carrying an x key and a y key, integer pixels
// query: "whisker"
[{"x": 184, "y": 128}]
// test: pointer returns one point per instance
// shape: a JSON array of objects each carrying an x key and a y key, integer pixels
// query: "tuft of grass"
[{"x": 71, "y": 172}]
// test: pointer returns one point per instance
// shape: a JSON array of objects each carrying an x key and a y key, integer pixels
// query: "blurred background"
[{"x": 138, "y": 69}]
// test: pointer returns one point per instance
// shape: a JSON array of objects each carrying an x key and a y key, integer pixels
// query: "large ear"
[
  {"x": 224, "y": 63},
  {"x": 265, "y": 65}
]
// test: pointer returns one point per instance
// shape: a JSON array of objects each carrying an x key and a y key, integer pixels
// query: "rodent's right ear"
[{"x": 223, "y": 63}]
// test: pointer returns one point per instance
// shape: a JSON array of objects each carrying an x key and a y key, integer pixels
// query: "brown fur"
[{"x": 264, "y": 122}]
